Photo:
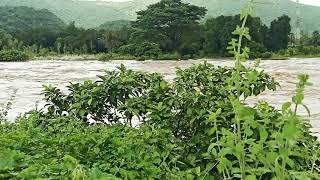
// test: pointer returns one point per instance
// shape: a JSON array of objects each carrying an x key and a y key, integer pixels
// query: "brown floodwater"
[{"x": 24, "y": 80}]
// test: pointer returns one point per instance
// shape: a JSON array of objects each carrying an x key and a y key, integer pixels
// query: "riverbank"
[
  {"x": 13, "y": 55},
  {"x": 87, "y": 57},
  {"x": 282, "y": 57},
  {"x": 91, "y": 57}
]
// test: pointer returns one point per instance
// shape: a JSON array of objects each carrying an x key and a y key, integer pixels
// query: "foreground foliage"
[
  {"x": 136, "y": 125},
  {"x": 66, "y": 148}
]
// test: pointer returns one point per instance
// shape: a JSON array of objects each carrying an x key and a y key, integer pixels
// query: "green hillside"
[
  {"x": 86, "y": 14},
  {"x": 267, "y": 9},
  {"x": 92, "y": 14},
  {"x": 13, "y": 18}
]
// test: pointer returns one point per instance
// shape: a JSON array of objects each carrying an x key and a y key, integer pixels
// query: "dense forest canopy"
[
  {"x": 91, "y": 14},
  {"x": 115, "y": 25},
  {"x": 167, "y": 27}
]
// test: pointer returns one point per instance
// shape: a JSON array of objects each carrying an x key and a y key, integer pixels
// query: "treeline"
[{"x": 165, "y": 30}]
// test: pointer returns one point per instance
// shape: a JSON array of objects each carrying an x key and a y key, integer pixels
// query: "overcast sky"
[{"x": 310, "y": 2}]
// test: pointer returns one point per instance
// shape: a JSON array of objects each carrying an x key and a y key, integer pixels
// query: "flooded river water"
[{"x": 24, "y": 80}]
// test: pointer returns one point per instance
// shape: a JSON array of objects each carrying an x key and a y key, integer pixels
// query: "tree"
[
  {"x": 165, "y": 22},
  {"x": 114, "y": 39},
  {"x": 315, "y": 39},
  {"x": 279, "y": 33},
  {"x": 4, "y": 39},
  {"x": 218, "y": 32}
]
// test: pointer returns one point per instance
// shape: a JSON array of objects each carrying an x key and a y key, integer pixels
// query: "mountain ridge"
[
  {"x": 91, "y": 14},
  {"x": 19, "y": 18}
]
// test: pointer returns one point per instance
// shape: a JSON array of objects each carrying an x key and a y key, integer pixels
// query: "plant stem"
[
  {"x": 238, "y": 66},
  {"x": 295, "y": 109}
]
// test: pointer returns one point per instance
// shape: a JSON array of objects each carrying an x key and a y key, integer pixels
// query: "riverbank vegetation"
[
  {"x": 13, "y": 55},
  {"x": 164, "y": 30},
  {"x": 136, "y": 125}
]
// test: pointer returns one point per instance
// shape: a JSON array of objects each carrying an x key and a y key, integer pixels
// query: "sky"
[{"x": 310, "y": 2}]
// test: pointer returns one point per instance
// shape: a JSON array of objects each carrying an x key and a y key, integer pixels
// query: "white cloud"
[{"x": 310, "y": 2}]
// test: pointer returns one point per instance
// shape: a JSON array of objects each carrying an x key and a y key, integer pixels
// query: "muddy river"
[{"x": 23, "y": 81}]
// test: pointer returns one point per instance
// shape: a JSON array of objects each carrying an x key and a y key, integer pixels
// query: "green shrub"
[
  {"x": 258, "y": 50},
  {"x": 308, "y": 50},
  {"x": 128, "y": 49},
  {"x": 188, "y": 51},
  {"x": 145, "y": 49},
  {"x": 114, "y": 56},
  {"x": 171, "y": 56},
  {"x": 304, "y": 51},
  {"x": 66, "y": 148},
  {"x": 13, "y": 55}
]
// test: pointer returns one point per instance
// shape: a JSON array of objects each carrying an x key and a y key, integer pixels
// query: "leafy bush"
[
  {"x": 309, "y": 51},
  {"x": 13, "y": 55},
  {"x": 188, "y": 51},
  {"x": 258, "y": 50},
  {"x": 66, "y": 148},
  {"x": 145, "y": 49},
  {"x": 118, "y": 94},
  {"x": 261, "y": 143}
]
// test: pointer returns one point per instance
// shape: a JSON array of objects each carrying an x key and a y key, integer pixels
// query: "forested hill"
[
  {"x": 92, "y": 14},
  {"x": 266, "y": 9},
  {"x": 22, "y": 18},
  {"x": 85, "y": 14}
]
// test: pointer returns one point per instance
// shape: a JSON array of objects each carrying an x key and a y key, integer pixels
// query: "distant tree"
[
  {"x": 41, "y": 36},
  {"x": 4, "y": 39},
  {"x": 165, "y": 22},
  {"x": 279, "y": 33},
  {"x": 114, "y": 39},
  {"x": 315, "y": 39},
  {"x": 218, "y": 32},
  {"x": 304, "y": 39}
]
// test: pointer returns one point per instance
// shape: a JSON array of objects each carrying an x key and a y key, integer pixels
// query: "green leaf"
[
  {"x": 246, "y": 113},
  {"x": 286, "y": 106},
  {"x": 248, "y": 132},
  {"x": 251, "y": 177},
  {"x": 263, "y": 134},
  {"x": 82, "y": 112},
  {"x": 90, "y": 101},
  {"x": 289, "y": 130}
]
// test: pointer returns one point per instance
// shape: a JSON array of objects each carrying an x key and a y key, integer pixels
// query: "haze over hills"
[
  {"x": 94, "y": 13},
  {"x": 86, "y": 14},
  {"x": 13, "y": 19}
]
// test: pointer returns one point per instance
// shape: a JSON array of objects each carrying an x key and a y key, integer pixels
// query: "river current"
[{"x": 22, "y": 81}]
